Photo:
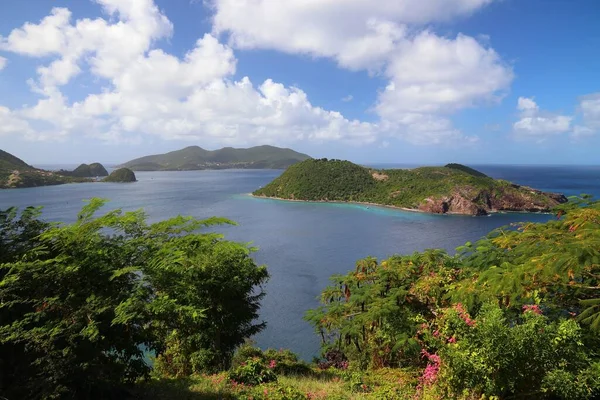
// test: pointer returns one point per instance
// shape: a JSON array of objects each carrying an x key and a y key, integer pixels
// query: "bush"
[
  {"x": 80, "y": 303},
  {"x": 499, "y": 356},
  {"x": 282, "y": 362},
  {"x": 272, "y": 391},
  {"x": 253, "y": 372}
]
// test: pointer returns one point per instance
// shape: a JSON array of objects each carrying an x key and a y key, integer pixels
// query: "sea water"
[{"x": 302, "y": 244}]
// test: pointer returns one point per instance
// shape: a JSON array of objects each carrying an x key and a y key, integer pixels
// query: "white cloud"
[
  {"x": 348, "y": 98},
  {"x": 148, "y": 91},
  {"x": 535, "y": 123},
  {"x": 357, "y": 33},
  {"x": 589, "y": 106},
  {"x": 11, "y": 124},
  {"x": 429, "y": 76},
  {"x": 3, "y": 63},
  {"x": 527, "y": 105},
  {"x": 156, "y": 93},
  {"x": 432, "y": 77}
]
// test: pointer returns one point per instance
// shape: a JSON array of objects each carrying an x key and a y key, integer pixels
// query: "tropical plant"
[
  {"x": 82, "y": 303},
  {"x": 472, "y": 321}
]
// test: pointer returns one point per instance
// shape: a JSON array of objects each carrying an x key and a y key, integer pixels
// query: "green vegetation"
[
  {"x": 86, "y": 171},
  {"x": 514, "y": 315},
  {"x": 466, "y": 169},
  {"x": 121, "y": 175},
  {"x": 451, "y": 189},
  {"x": 79, "y": 302},
  {"x": 15, "y": 173},
  {"x": 196, "y": 158}
]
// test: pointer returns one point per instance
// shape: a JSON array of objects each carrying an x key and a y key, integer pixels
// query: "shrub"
[
  {"x": 525, "y": 356},
  {"x": 80, "y": 303},
  {"x": 253, "y": 372}
]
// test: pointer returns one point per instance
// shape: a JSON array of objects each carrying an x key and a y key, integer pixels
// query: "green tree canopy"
[{"x": 81, "y": 303}]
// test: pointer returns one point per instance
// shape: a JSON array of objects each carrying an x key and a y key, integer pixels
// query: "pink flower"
[
  {"x": 272, "y": 364},
  {"x": 464, "y": 315},
  {"x": 431, "y": 371},
  {"x": 436, "y": 334},
  {"x": 533, "y": 308},
  {"x": 452, "y": 340}
]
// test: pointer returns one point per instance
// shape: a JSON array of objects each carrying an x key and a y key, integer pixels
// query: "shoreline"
[{"x": 412, "y": 210}]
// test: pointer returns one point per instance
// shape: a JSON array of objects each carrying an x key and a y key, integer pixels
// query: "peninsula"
[
  {"x": 452, "y": 189},
  {"x": 16, "y": 173},
  {"x": 196, "y": 158}
]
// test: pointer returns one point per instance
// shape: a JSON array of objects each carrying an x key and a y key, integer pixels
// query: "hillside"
[
  {"x": 86, "y": 171},
  {"x": 453, "y": 189},
  {"x": 197, "y": 158},
  {"x": 16, "y": 173},
  {"x": 121, "y": 175}
]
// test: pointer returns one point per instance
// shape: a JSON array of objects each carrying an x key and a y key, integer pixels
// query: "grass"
[{"x": 317, "y": 385}]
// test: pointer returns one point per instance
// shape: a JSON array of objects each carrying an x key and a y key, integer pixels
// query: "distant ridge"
[
  {"x": 197, "y": 158},
  {"x": 10, "y": 162},
  {"x": 16, "y": 173}
]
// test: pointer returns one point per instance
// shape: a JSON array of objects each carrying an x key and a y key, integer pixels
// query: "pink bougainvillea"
[
  {"x": 431, "y": 371},
  {"x": 534, "y": 308},
  {"x": 464, "y": 315}
]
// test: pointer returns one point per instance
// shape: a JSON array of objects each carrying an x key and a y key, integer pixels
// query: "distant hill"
[
  {"x": 10, "y": 162},
  {"x": 121, "y": 175},
  {"x": 466, "y": 169},
  {"x": 86, "y": 171},
  {"x": 454, "y": 189},
  {"x": 197, "y": 158},
  {"x": 16, "y": 173}
]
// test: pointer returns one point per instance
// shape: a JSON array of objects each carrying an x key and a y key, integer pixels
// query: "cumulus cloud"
[
  {"x": 12, "y": 124},
  {"x": 156, "y": 93},
  {"x": 429, "y": 76},
  {"x": 3, "y": 63},
  {"x": 589, "y": 106},
  {"x": 539, "y": 124},
  {"x": 357, "y": 33},
  {"x": 151, "y": 92}
]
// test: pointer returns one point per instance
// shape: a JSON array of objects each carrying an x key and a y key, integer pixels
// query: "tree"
[{"x": 81, "y": 303}]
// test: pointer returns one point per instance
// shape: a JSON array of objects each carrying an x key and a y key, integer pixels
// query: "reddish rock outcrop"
[{"x": 481, "y": 202}]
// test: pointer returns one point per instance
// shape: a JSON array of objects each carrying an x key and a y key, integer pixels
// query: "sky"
[{"x": 372, "y": 81}]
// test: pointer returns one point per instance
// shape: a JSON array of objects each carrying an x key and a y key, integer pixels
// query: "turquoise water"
[{"x": 303, "y": 244}]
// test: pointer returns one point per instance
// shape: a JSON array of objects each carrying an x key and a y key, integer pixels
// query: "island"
[
  {"x": 452, "y": 189},
  {"x": 16, "y": 173},
  {"x": 121, "y": 175},
  {"x": 196, "y": 158},
  {"x": 86, "y": 171}
]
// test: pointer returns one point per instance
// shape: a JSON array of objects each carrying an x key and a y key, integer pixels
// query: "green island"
[
  {"x": 452, "y": 189},
  {"x": 121, "y": 175},
  {"x": 196, "y": 158},
  {"x": 515, "y": 315},
  {"x": 86, "y": 171},
  {"x": 16, "y": 173}
]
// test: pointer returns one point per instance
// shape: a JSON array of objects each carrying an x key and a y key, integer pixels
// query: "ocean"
[{"x": 302, "y": 244}]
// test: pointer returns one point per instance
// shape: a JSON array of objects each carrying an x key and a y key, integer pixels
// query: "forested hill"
[
  {"x": 454, "y": 188},
  {"x": 197, "y": 158},
  {"x": 16, "y": 173}
]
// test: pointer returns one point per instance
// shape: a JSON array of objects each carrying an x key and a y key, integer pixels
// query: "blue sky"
[{"x": 406, "y": 81}]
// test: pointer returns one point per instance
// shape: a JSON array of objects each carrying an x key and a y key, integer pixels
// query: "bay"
[{"x": 303, "y": 244}]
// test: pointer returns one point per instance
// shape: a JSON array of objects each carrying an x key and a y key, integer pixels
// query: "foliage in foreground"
[
  {"x": 516, "y": 314},
  {"x": 81, "y": 303}
]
